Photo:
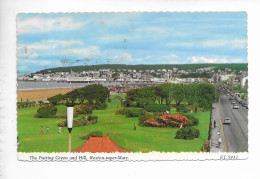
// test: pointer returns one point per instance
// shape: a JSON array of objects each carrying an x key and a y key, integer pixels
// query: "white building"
[{"x": 243, "y": 82}]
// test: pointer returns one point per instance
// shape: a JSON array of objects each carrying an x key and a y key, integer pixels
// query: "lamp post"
[{"x": 70, "y": 121}]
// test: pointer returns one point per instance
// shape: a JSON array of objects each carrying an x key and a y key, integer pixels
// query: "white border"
[{"x": 12, "y": 168}]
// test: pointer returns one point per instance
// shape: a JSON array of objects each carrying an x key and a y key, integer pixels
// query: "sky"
[{"x": 68, "y": 39}]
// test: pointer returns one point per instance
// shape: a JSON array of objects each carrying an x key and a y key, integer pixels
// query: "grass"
[{"x": 119, "y": 127}]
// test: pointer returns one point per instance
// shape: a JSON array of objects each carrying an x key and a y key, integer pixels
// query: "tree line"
[
  {"x": 196, "y": 95},
  {"x": 92, "y": 94}
]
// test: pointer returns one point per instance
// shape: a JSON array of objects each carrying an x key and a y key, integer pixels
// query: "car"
[
  {"x": 235, "y": 106},
  {"x": 227, "y": 94},
  {"x": 233, "y": 102},
  {"x": 227, "y": 120},
  {"x": 245, "y": 105},
  {"x": 230, "y": 98}
]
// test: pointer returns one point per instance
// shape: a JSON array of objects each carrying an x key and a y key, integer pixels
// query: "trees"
[
  {"x": 196, "y": 95},
  {"x": 141, "y": 97},
  {"x": 55, "y": 99},
  {"x": 94, "y": 94},
  {"x": 178, "y": 92}
]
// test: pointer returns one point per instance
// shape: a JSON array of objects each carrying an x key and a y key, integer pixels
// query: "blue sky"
[{"x": 66, "y": 39}]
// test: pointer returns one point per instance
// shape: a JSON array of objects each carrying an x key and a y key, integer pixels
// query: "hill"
[{"x": 193, "y": 67}]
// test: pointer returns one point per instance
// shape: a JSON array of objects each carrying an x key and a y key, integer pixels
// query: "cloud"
[
  {"x": 49, "y": 44},
  {"x": 114, "y": 38},
  {"x": 41, "y": 24},
  {"x": 150, "y": 30},
  {"x": 201, "y": 59},
  {"x": 25, "y": 52},
  {"x": 237, "y": 60},
  {"x": 180, "y": 44},
  {"x": 125, "y": 57},
  {"x": 89, "y": 52},
  {"x": 36, "y": 62},
  {"x": 235, "y": 43},
  {"x": 169, "y": 56}
]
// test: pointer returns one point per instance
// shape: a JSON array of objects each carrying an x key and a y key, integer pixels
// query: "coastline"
[{"x": 40, "y": 94}]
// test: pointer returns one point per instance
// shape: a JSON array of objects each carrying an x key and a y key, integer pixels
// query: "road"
[{"x": 236, "y": 134}]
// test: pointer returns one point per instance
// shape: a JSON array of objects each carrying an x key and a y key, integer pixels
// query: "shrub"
[
  {"x": 100, "y": 106},
  {"x": 91, "y": 134},
  {"x": 157, "y": 114},
  {"x": 187, "y": 133},
  {"x": 182, "y": 109},
  {"x": 193, "y": 120},
  {"x": 153, "y": 123},
  {"x": 46, "y": 112},
  {"x": 135, "y": 113},
  {"x": 157, "y": 108},
  {"x": 56, "y": 99},
  {"x": 83, "y": 109},
  {"x": 173, "y": 120},
  {"x": 84, "y": 121},
  {"x": 144, "y": 117},
  {"x": 62, "y": 115},
  {"x": 62, "y": 123},
  {"x": 124, "y": 111},
  {"x": 25, "y": 104}
]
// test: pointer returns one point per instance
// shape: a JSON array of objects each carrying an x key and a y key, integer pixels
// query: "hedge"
[
  {"x": 187, "y": 133},
  {"x": 84, "y": 121},
  {"x": 91, "y": 134},
  {"x": 182, "y": 109},
  {"x": 46, "y": 112},
  {"x": 157, "y": 108},
  {"x": 83, "y": 109}
]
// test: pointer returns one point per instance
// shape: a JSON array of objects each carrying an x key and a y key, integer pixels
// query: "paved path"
[{"x": 217, "y": 132}]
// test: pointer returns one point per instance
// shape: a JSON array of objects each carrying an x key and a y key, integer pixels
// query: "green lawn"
[{"x": 119, "y": 127}]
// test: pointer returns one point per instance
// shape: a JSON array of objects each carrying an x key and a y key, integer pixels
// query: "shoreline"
[{"x": 40, "y": 94}]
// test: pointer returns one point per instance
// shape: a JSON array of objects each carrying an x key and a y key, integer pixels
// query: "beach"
[{"x": 40, "y": 94}]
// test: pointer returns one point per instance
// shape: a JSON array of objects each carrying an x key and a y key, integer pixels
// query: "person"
[
  {"x": 48, "y": 130},
  {"x": 191, "y": 110},
  {"x": 134, "y": 127},
  {"x": 203, "y": 109},
  {"x": 215, "y": 124},
  {"x": 181, "y": 125},
  {"x": 42, "y": 131},
  {"x": 60, "y": 130},
  {"x": 196, "y": 110},
  {"x": 219, "y": 142}
]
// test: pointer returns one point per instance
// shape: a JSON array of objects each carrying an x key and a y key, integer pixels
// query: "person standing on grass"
[
  {"x": 42, "y": 130},
  {"x": 60, "y": 130},
  {"x": 48, "y": 130},
  {"x": 191, "y": 110},
  {"x": 134, "y": 127},
  {"x": 203, "y": 109}
]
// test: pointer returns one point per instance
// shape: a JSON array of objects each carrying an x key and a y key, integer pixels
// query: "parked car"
[
  {"x": 233, "y": 102},
  {"x": 245, "y": 105},
  {"x": 230, "y": 98},
  {"x": 227, "y": 120},
  {"x": 235, "y": 106}
]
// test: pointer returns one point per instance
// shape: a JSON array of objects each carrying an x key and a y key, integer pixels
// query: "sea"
[{"x": 36, "y": 85}]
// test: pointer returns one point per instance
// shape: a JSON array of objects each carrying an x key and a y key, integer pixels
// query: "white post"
[{"x": 70, "y": 122}]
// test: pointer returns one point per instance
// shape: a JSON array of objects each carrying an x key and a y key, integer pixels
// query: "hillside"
[{"x": 193, "y": 67}]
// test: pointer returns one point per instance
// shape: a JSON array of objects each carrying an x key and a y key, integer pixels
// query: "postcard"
[{"x": 132, "y": 86}]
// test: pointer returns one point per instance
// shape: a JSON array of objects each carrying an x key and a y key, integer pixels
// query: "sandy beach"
[{"x": 40, "y": 94}]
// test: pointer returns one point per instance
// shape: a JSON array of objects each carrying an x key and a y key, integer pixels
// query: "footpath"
[{"x": 216, "y": 132}]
